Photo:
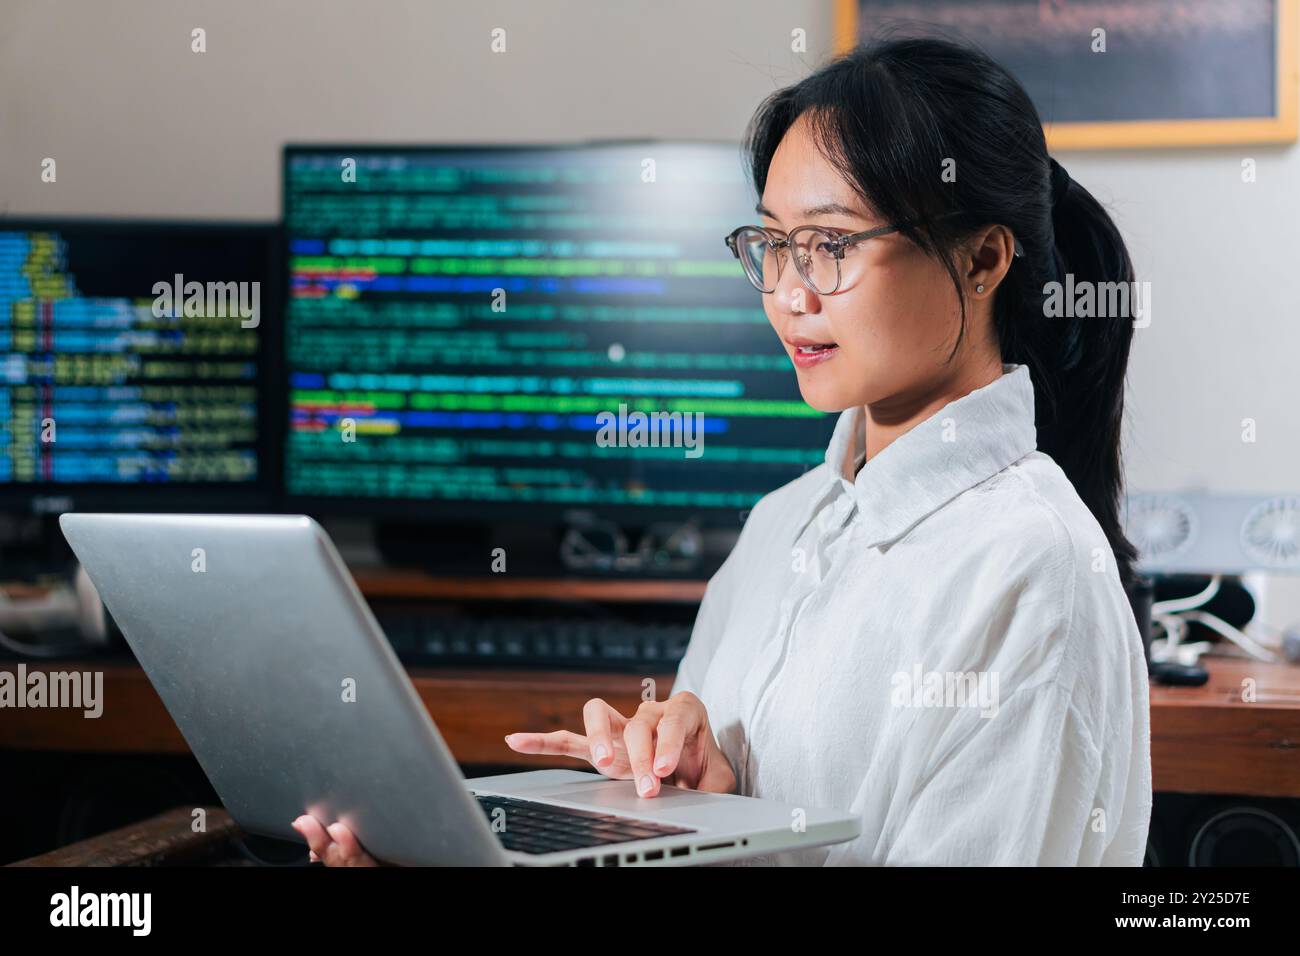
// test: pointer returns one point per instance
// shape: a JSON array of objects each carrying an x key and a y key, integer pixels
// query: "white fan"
[
  {"x": 1271, "y": 533},
  {"x": 1196, "y": 532},
  {"x": 1159, "y": 526}
]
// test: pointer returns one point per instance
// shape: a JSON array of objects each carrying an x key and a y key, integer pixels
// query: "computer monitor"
[
  {"x": 137, "y": 360},
  {"x": 471, "y": 332}
]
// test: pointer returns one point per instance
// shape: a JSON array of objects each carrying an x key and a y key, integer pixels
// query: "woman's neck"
[{"x": 885, "y": 421}]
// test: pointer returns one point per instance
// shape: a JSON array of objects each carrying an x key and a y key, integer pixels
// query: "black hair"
[{"x": 889, "y": 116}]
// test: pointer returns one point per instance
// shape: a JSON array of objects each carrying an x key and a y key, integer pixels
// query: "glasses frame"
[{"x": 838, "y": 244}]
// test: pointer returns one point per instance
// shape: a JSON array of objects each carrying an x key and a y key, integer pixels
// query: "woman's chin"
[{"x": 823, "y": 398}]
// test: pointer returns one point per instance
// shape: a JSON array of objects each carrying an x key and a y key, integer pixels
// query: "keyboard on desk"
[
  {"x": 545, "y": 828},
  {"x": 535, "y": 642}
]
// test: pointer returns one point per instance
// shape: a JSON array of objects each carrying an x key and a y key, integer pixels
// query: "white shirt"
[{"x": 833, "y": 647}]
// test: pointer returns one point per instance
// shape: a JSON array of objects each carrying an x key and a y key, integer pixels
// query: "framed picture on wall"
[{"x": 1110, "y": 74}]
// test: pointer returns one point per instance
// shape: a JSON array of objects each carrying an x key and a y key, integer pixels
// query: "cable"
[
  {"x": 1177, "y": 605},
  {"x": 1174, "y": 614},
  {"x": 1242, "y": 640}
]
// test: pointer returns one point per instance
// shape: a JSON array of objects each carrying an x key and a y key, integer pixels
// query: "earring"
[{"x": 980, "y": 287}]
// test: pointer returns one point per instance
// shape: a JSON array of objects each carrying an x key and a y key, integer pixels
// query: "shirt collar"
[{"x": 964, "y": 443}]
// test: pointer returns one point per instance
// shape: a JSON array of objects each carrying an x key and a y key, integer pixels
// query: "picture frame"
[{"x": 1193, "y": 91}]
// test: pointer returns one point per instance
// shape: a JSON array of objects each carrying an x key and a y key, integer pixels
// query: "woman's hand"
[
  {"x": 665, "y": 741},
  {"x": 333, "y": 845}
]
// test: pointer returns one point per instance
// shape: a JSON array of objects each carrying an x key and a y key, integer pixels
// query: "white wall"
[{"x": 140, "y": 126}]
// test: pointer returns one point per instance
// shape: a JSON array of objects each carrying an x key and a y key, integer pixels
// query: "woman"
[{"x": 931, "y": 629}]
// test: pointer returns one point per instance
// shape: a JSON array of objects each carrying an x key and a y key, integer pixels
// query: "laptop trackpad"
[{"x": 620, "y": 795}]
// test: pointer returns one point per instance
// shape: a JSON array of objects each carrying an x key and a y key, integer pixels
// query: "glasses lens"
[
  {"x": 814, "y": 257},
  {"x": 758, "y": 258}
]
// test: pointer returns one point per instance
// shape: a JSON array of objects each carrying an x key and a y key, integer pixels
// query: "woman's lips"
[{"x": 808, "y": 355}]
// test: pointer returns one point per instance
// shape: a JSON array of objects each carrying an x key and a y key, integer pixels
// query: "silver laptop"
[{"x": 265, "y": 654}]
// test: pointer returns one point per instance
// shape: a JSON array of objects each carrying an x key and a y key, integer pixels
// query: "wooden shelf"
[{"x": 415, "y": 585}]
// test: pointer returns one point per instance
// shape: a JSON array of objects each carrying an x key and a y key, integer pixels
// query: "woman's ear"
[{"x": 991, "y": 251}]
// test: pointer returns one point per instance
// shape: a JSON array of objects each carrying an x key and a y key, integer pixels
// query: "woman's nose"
[{"x": 792, "y": 297}]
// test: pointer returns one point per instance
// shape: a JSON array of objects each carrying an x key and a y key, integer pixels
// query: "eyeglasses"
[{"x": 818, "y": 253}]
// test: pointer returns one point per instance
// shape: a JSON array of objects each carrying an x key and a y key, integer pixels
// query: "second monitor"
[{"x": 136, "y": 365}]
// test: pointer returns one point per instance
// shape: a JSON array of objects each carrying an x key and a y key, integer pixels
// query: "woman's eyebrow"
[
  {"x": 831, "y": 209},
  {"x": 825, "y": 209}
]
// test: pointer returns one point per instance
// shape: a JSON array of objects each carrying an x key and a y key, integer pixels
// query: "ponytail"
[
  {"x": 890, "y": 116},
  {"x": 1078, "y": 363}
]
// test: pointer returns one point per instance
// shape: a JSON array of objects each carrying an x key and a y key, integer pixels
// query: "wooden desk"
[
  {"x": 1209, "y": 740},
  {"x": 165, "y": 840},
  {"x": 1203, "y": 739},
  {"x": 474, "y": 710}
]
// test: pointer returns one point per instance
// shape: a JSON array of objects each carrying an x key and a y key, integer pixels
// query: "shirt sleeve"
[
  {"x": 1019, "y": 791},
  {"x": 1039, "y": 779}
]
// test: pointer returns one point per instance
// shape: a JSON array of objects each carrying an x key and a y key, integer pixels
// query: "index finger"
[{"x": 560, "y": 743}]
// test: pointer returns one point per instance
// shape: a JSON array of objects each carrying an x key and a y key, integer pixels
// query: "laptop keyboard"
[{"x": 545, "y": 828}]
